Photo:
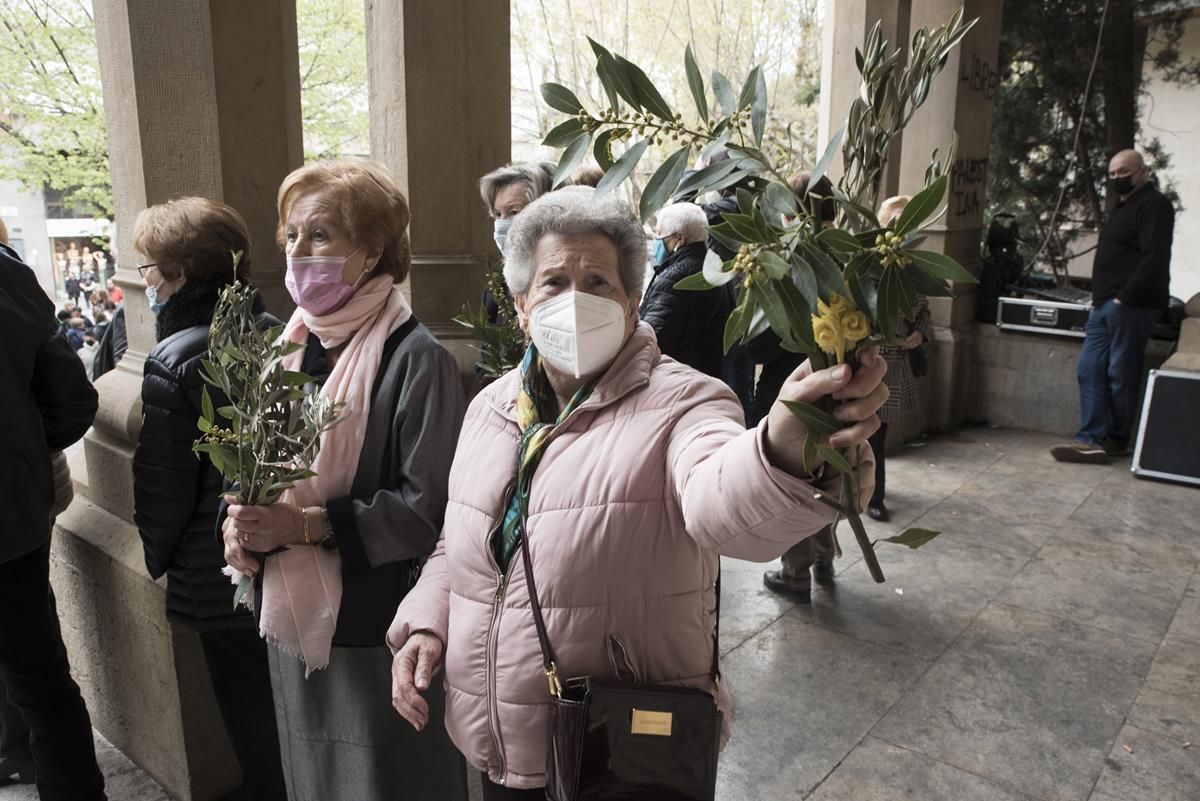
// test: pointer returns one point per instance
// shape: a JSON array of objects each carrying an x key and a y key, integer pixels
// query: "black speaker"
[{"x": 1168, "y": 440}]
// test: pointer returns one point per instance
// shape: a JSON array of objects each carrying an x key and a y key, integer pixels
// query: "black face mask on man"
[{"x": 1123, "y": 185}]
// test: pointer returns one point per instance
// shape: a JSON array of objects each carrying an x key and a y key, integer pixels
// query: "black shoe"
[
  {"x": 823, "y": 573},
  {"x": 1080, "y": 453},
  {"x": 774, "y": 581},
  {"x": 877, "y": 511},
  {"x": 1115, "y": 448},
  {"x": 17, "y": 770}
]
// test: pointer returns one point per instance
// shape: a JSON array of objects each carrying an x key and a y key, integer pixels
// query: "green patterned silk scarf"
[{"x": 535, "y": 405}]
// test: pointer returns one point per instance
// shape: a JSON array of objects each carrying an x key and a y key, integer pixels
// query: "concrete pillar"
[
  {"x": 960, "y": 101},
  {"x": 439, "y": 87},
  {"x": 201, "y": 97},
  {"x": 847, "y": 24}
]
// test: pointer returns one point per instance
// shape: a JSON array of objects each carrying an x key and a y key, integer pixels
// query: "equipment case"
[
  {"x": 1042, "y": 316},
  {"x": 1168, "y": 439}
]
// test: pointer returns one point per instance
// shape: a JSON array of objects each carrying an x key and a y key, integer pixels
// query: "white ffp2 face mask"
[{"x": 578, "y": 333}]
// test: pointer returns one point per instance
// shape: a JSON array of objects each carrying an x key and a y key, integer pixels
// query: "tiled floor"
[{"x": 1046, "y": 646}]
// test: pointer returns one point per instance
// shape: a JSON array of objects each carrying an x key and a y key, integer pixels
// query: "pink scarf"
[{"x": 302, "y": 586}]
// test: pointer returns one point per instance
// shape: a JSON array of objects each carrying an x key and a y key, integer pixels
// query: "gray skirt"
[{"x": 341, "y": 740}]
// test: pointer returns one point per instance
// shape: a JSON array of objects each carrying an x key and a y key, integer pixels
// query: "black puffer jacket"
[
  {"x": 48, "y": 404},
  {"x": 175, "y": 494},
  {"x": 690, "y": 324}
]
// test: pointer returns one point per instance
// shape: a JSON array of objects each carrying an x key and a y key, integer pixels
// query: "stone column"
[
  {"x": 201, "y": 97},
  {"x": 847, "y": 24},
  {"x": 960, "y": 101},
  {"x": 438, "y": 78}
]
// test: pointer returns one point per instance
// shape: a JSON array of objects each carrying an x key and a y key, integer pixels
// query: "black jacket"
[
  {"x": 48, "y": 404},
  {"x": 690, "y": 324},
  {"x": 1133, "y": 259},
  {"x": 113, "y": 344},
  {"x": 176, "y": 494}
]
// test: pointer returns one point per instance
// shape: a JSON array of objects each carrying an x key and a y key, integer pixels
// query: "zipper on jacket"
[{"x": 492, "y": 648}]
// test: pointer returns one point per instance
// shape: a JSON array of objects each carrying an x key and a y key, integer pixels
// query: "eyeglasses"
[{"x": 142, "y": 268}]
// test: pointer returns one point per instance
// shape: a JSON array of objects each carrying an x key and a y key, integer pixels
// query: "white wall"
[
  {"x": 1173, "y": 115},
  {"x": 24, "y": 213}
]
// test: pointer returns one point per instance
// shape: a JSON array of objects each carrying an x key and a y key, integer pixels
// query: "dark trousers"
[
  {"x": 34, "y": 668},
  {"x": 498, "y": 792},
  {"x": 1110, "y": 370},
  {"x": 878, "y": 443},
  {"x": 14, "y": 734},
  {"x": 241, "y": 680},
  {"x": 797, "y": 560}
]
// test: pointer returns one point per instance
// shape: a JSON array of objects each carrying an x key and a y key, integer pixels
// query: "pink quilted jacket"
[{"x": 639, "y": 491}]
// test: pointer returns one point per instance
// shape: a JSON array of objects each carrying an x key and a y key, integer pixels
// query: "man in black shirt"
[{"x": 1130, "y": 281}]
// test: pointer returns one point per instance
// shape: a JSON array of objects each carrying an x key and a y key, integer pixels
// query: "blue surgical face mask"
[
  {"x": 660, "y": 250},
  {"x": 152, "y": 299},
  {"x": 500, "y": 232}
]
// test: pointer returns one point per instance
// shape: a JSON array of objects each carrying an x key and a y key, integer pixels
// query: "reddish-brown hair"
[
  {"x": 366, "y": 202},
  {"x": 195, "y": 237}
]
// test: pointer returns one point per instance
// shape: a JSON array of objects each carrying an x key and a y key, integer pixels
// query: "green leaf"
[
  {"x": 812, "y": 417},
  {"x": 700, "y": 181},
  {"x": 740, "y": 225},
  {"x": 826, "y": 270},
  {"x": 913, "y": 537},
  {"x": 745, "y": 201},
  {"x": 621, "y": 169},
  {"x": 758, "y": 109},
  {"x": 696, "y": 282},
  {"x": 862, "y": 277},
  {"x": 779, "y": 200},
  {"x": 724, "y": 234},
  {"x": 834, "y": 457},
  {"x": 831, "y": 150},
  {"x": 738, "y": 322},
  {"x": 723, "y": 89},
  {"x": 662, "y": 184},
  {"x": 695, "y": 82},
  {"x": 799, "y": 314},
  {"x": 749, "y": 89},
  {"x": 602, "y": 150},
  {"x": 811, "y": 440},
  {"x": 644, "y": 90},
  {"x": 615, "y": 81},
  {"x": 838, "y": 240},
  {"x": 940, "y": 266},
  {"x": 206, "y": 406},
  {"x": 561, "y": 98},
  {"x": 244, "y": 585},
  {"x": 758, "y": 324},
  {"x": 805, "y": 280},
  {"x": 572, "y": 157},
  {"x": 294, "y": 378},
  {"x": 889, "y": 303},
  {"x": 774, "y": 265},
  {"x": 563, "y": 134},
  {"x": 924, "y": 284},
  {"x": 716, "y": 272},
  {"x": 923, "y": 204}
]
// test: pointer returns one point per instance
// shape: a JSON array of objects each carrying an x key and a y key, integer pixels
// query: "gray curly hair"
[{"x": 575, "y": 210}]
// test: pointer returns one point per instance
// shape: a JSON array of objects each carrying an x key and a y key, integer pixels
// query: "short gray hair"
[
  {"x": 574, "y": 210},
  {"x": 533, "y": 174},
  {"x": 684, "y": 218}
]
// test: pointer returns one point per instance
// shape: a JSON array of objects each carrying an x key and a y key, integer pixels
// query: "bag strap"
[{"x": 539, "y": 621}]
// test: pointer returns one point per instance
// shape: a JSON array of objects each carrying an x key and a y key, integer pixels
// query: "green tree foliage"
[
  {"x": 52, "y": 129},
  {"x": 1046, "y": 49},
  {"x": 51, "y": 111}
]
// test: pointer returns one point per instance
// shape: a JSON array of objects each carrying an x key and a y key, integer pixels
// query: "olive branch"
[
  {"x": 827, "y": 292},
  {"x": 264, "y": 431}
]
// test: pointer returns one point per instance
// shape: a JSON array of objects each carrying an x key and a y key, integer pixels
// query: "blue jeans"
[{"x": 1110, "y": 370}]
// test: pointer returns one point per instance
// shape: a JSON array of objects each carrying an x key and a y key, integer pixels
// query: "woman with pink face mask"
[{"x": 343, "y": 547}]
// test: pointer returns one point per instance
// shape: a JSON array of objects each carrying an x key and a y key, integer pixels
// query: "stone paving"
[{"x": 1045, "y": 648}]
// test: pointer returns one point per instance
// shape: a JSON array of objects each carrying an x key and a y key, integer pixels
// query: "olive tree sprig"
[{"x": 826, "y": 291}]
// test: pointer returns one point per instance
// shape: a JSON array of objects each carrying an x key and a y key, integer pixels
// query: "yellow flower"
[
  {"x": 828, "y": 335},
  {"x": 835, "y": 308},
  {"x": 855, "y": 326}
]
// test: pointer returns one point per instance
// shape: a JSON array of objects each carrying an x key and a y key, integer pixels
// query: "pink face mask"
[{"x": 315, "y": 283}]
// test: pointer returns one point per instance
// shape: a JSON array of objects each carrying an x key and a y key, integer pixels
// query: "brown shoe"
[
  {"x": 1080, "y": 453},
  {"x": 797, "y": 590}
]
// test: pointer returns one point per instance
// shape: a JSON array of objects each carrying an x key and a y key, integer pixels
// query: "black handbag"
[{"x": 621, "y": 741}]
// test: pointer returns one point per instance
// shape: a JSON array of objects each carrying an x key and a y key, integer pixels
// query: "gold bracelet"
[{"x": 304, "y": 515}]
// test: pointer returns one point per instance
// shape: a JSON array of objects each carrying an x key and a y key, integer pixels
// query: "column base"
[{"x": 145, "y": 681}]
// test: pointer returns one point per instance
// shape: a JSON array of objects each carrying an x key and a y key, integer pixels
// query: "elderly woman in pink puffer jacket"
[{"x": 637, "y": 474}]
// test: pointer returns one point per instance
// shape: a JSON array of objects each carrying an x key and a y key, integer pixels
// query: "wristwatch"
[{"x": 327, "y": 541}]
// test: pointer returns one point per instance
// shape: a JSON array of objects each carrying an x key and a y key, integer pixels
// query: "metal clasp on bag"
[{"x": 555, "y": 684}]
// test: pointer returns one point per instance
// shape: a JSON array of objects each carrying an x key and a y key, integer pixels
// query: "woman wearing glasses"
[{"x": 184, "y": 249}]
